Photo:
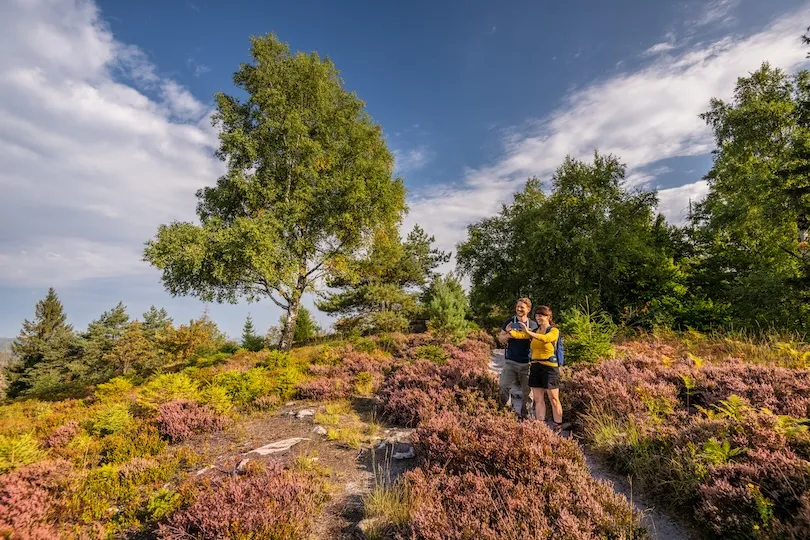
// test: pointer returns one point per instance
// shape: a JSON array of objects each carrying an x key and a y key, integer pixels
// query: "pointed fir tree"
[
  {"x": 99, "y": 340},
  {"x": 44, "y": 349},
  {"x": 447, "y": 307},
  {"x": 154, "y": 321},
  {"x": 250, "y": 340}
]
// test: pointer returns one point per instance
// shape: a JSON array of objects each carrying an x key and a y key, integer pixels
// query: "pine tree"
[
  {"x": 154, "y": 321},
  {"x": 306, "y": 328},
  {"x": 44, "y": 350},
  {"x": 250, "y": 340},
  {"x": 447, "y": 306},
  {"x": 99, "y": 340}
]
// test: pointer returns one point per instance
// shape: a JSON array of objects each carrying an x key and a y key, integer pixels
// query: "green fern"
[{"x": 719, "y": 453}]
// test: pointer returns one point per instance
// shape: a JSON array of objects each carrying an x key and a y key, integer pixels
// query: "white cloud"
[
  {"x": 411, "y": 160},
  {"x": 673, "y": 202},
  {"x": 659, "y": 48},
  {"x": 97, "y": 148},
  {"x": 717, "y": 12},
  {"x": 642, "y": 117}
]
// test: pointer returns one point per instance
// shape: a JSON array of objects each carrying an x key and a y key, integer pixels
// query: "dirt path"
[
  {"x": 660, "y": 524},
  {"x": 351, "y": 470}
]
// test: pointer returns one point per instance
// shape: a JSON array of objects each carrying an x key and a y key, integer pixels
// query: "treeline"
[{"x": 741, "y": 261}]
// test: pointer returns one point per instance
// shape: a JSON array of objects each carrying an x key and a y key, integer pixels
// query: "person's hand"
[
  {"x": 503, "y": 337},
  {"x": 523, "y": 327}
]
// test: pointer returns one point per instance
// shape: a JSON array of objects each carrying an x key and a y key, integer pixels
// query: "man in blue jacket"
[{"x": 518, "y": 354}]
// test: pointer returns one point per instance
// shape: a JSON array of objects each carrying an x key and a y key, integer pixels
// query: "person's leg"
[
  {"x": 525, "y": 391},
  {"x": 539, "y": 404},
  {"x": 507, "y": 379},
  {"x": 556, "y": 405}
]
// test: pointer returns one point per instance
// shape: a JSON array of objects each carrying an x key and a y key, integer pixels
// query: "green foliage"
[
  {"x": 447, "y": 307},
  {"x": 244, "y": 387},
  {"x": 18, "y": 450},
  {"x": 46, "y": 352},
  {"x": 216, "y": 397},
  {"x": 364, "y": 344},
  {"x": 750, "y": 234},
  {"x": 163, "y": 503},
  {"x": 138, "y": 440},
  {"x": 719, "y": 453},
  {"x": 377, "y": 291},
  {"x": 101, "y": 338},
  {"x": 250, "y": 340},
  {"x": 587, "y": 335},
  {"x": 434, "y": 353},
  {"x": 114, "y": 389},
  {"x": 592, "y": 236},
  {"x": 306, "y": 327},
  {"x": 309, "y": 177},
  {"x": 155, "y": 321},
  {"x": 364, "y": 383},
  {"x": 165, "y": 388},
  {"x": 111, "y": 419}
]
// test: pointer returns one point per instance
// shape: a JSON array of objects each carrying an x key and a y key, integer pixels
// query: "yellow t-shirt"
[{"x": 543, "y": 347}]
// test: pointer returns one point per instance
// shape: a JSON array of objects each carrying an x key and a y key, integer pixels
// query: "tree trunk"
[{"x": 292, "y": 315}]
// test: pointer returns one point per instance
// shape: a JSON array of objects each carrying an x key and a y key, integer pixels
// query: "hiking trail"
[{"x": 660, "y": 524}]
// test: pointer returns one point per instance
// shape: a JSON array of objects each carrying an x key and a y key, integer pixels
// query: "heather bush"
[
  {"x": 62, "y": 435},
  {"x": 18, "y": 450},
  {"x": 272, "y": 503},
  {"x": 30, "y": 499},
  {"x": 726, "y": 441},
  {"x": 179, "y": 420},
  {"x": 479, "y": 505}
]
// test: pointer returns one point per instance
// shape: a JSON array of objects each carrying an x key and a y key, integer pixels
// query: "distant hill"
[{"x": 5, "y": 344}]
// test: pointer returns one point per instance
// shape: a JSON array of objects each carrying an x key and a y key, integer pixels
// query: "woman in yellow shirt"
[{"x": 544, "y": 373}]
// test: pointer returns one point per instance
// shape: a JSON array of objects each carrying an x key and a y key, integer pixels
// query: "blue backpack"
[{"x": 559, "y": 348}]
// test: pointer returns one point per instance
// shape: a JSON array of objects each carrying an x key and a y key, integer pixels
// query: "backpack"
[{"x": 559, "y": 348}]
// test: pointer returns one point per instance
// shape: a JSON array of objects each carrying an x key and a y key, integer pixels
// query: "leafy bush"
[
  {"x": 588, "y": 335},
  {"x": 18, "y": 450},
  {"x": 273, "y": 503},
  {"x": 111, "y": 419},
  {"x": 138, "y": 440},
  {"x": 167, "y": 387},
  {"x": 244, "y": 387},
  {"x": 113, "y": 389},
  {"x": 434, "y": 353},
  {"x": 217, "y": 398},
  {"x": 179, "y": 420}
]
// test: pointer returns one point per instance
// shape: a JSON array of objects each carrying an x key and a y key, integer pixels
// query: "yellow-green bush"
[
  {"x": 167, "y": 387},
  {"x": 18, "y": 450},
  {"x": 111, "y": 419},
  {"x": 114, "y": 389},
  {"x": 217, "y": 398},
  {"x": 244, "y": 387},
  {"x": 139, "y": 440}
]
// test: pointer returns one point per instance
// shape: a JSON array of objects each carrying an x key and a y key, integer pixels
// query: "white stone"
[
  {"x": 303, "y": 413},
  {"x": 278, "y": 446},
  {"x": 320, "y": 430}
]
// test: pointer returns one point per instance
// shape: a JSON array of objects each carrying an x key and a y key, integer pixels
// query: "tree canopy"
[
  {"x": 378, "y": 291},
  {"x": 309, "y": 179},
  {"x": 751, "y": 231}
]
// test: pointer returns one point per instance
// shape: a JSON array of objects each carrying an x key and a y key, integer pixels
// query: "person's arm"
[
  {"x": 551, "y": 337},
  {"x": 504, "y": 336}
]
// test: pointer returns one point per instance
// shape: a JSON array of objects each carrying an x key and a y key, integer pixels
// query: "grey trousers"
[{"x": 515, "y": 374}]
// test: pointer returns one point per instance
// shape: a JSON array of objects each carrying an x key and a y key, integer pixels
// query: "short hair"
[{"x": 524, "y": 300}]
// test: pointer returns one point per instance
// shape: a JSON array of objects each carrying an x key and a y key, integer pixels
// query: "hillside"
[{"x": 5, "y": 344}]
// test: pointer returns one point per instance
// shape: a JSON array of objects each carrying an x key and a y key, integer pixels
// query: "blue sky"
[{"x": 104, "y": 106}]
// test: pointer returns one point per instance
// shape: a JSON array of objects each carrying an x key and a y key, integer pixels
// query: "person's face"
[
  {"x": 541, "y": 319},
  {"x": 521, "y": 309}
]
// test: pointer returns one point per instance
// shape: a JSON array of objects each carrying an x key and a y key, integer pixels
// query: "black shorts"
[{"x": 545, "y": 377}]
